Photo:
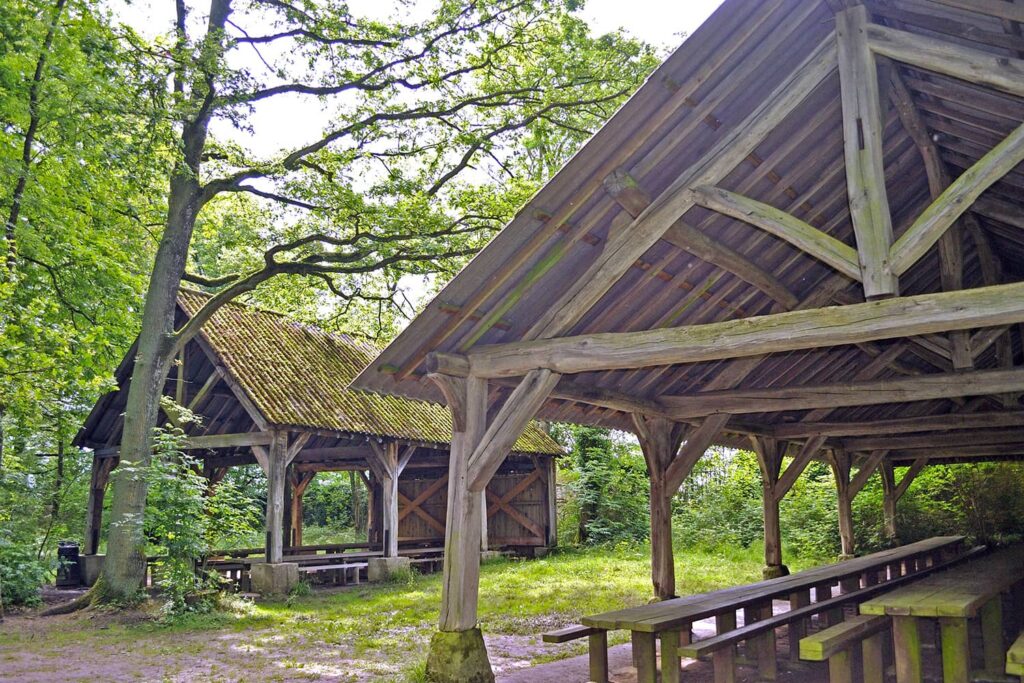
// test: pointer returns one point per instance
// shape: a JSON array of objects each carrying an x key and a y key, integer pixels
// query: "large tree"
[{"x": 424, "y": 117}]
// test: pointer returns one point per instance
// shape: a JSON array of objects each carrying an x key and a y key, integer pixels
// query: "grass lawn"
[{"x": 377, "y": 632}]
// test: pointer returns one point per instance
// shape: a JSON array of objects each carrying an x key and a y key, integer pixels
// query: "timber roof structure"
[
  {"x": 296, "y": 377},
  {"x": 774, "y": 231}
]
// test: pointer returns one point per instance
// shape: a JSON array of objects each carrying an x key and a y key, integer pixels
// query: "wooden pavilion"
[
  {"x": 803, "y": 233},
  {"x": 274, "y": 392}
]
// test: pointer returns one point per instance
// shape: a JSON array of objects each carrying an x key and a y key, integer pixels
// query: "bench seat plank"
[
  {"x": 569, "y": 633},
  {"x": 1015, "y": 657},
  {"x": 822, "y": 645}
]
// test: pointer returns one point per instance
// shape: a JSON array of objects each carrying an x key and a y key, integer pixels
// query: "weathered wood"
[
  {"x": 951, "y": 59},
  {"x": 462, "y": 531},
  {"x": 508, "y": 425},
  {"x": 920, "y": 388},
  {"x": 907, "y": 643},
  {"x": 863, "y": 146},
  {"x": 659, "y": 441},
  {"x": 833, "y": 326},
  {"x": 387, "y": 460},
  {"x": 908, "y": 477},
  {"x": 951, "y": 258},
  {"x": 628, "y": 245},
  {"x": 698, "y": 440},
  {"x": 840, "y": 462},
  {"x": 769, "y": 458},
  {"x": 889, "y": 501},
  {"x": 928, "y": 423},
  {"x": 276, "y": 470},
  {"x": 785, "y": 226},
  {"x": 916, "y": 441},
  {"x": 99, "y": 477},
  {"x": 956, "y": 199},
  {"x": 213, "y": 441},
  {"x": 825, "y": 643},
  {"x": 797, "y": 465},
  {"x": 865, "y": 472},
  {"x": 624, "y": 189}
]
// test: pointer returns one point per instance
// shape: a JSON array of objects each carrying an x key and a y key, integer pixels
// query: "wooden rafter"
[
  {"x": 785, "y": 226},
  {"x": 635, "y": 201},
  {"x": 796, "y": 467},
  {"x": 866, "y": 470},
  {"x": 630, "y": 244}
]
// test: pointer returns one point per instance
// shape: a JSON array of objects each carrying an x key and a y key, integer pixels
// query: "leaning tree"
[{"x": 428, "y": 120}]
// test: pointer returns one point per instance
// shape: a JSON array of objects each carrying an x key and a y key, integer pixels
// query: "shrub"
[{"x": 21, "y": 573}]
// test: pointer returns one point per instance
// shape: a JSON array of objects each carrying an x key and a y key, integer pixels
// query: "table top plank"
[
  {"x": 958, "y": 592},
  {"x": 667, "y": 614}
]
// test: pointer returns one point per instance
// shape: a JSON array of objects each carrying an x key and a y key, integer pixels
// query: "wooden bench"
[
  {"x": 340, "y": 571},
  {"x": 721, "y": 647},
  {"x": 598, "y": 641},
  {"x": 1015, "y": 657},
  {"x": 835, "y": 645}
]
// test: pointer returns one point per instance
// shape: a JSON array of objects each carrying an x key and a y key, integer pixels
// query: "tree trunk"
[{"x": 125, "y": 566}]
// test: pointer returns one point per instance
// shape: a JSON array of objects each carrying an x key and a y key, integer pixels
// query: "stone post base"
[
  {"x": 274, "y": 579},
  {"x": 459, "y": 657},
  {"x": 775, "y": 571},
  {"x": 91, "y": 566},
  {"x": 383, "y": 568},
  {"x": 844, "y": 557}
]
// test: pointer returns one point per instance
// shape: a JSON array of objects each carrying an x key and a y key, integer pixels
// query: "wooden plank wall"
[{"x": 517, "y": 504}]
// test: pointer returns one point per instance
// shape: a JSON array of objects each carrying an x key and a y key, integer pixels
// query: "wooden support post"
[
  {"x": 99, "y": 477},
  {"x": 873, "y": 657},
  {"x": 275, "y": 464},
  {"x": 670, "y": 655},
  {"x": 299, "y": 481},
  {"x": 889, "y": 501},
  {"x": 551, "y": 495},
  {"x": 467, "y": 399},
  {"x": 769, "y": 457},
  {"x": 863, "y": 144},
  {"x": 956, "y": 655},
  {"x": 659, "y": 441},
  {"x": 841, "y": 471}
]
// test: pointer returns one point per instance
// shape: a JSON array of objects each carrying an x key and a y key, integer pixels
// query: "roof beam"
[
  {"x": 627, "y": 245},
  {"x": 905, "y": 389},
  {"x": 957, "y": 199},
  {"x": 941, "y": 56},
  {"x": 864, "y": 149},
  {"x": 791, "y": 331},
  {"x": 958, "y": 439},
  {"x": 951, "y": 257},
  {"x": 908, "y": 425},
  {"x": 624, "y": 190},
  {"x": 785, "y": 226},
  {"x": 227, "y": 440}
]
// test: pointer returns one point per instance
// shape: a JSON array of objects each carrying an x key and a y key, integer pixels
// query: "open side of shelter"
[
  {"x": 273, "y": 393},
  {"x": 803, "y": 234}
]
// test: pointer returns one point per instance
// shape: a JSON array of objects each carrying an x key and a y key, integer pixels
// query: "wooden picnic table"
[
  {"x": 952, "y": 597},
  {"x": 673, "y": 618}
]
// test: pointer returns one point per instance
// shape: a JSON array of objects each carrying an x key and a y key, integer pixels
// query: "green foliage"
[
  {"x": 21, "y": 572},
  {"x": 185, "y": 520},
  {"x": 606, "y": 482}
]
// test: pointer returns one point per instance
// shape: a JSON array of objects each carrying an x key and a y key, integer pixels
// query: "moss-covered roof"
[{"x": 297, "y": 375}]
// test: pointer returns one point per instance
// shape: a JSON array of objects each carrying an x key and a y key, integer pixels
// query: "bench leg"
[
  {"x": 823, "y": 592},
  {"x": 766, "y": 663},
  {"x": 598, "y": 656},
  {"x": 797, "y": 629},
  {"x": 840, "y": 668},
  {"x": 873, "y": 657},
  {"x": 956, "y": 656},
  {"x": 670, "y": 655},
  {"x": 992, "y": 634},
  {"x": 725, "y": 665},
  {"x": 723, "y": 624},
  {"x": 645, "y": 657},
  {"x": 907, "y": 643}
]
